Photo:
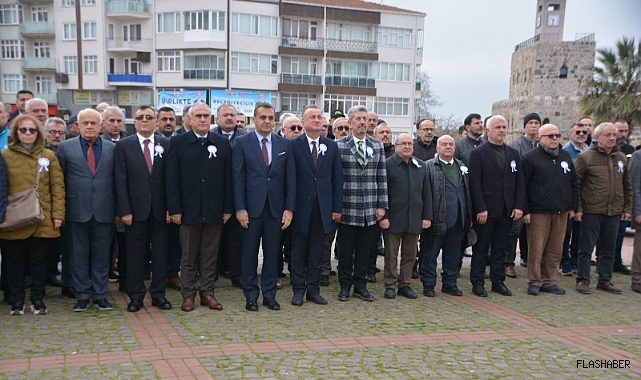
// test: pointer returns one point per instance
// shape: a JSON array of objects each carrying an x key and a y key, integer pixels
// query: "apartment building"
[{"x": 332, "y": 53}]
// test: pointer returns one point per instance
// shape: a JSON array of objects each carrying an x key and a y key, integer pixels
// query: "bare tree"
[
  {"x": 428, "y": 100},
  {"x": 447, "y": 126}
]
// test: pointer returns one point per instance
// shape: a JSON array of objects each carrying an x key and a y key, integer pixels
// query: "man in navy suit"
[
  {"x": 199, "y": 199},
  {"x": 87, "y": 162},
  {"x": 319, "y": 202},
  {"x": 498, "y": 197},
  {"x": 142, "y": 205},
  {"x": 264, "y": 199}
]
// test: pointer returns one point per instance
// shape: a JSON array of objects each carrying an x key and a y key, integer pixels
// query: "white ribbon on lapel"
[
  {"x": 370, "y": 152},
  {"x": 513, "y": 165},
  {"x": 565, "y": 166},
  {"x": 464, "y": 170},
  {"x": 44, "y": 163},
  {"x": 620, "y": 163},
  {"x": 159, "y": 151},
  {"x": 323, "y": 148},
  {"x": 212, "y": 151},
  {"x": 416, "y": 163}
]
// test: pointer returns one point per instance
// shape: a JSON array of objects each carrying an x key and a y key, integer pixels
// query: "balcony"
[
  {"x": 203, "y": 74},
  {"x": 320, "y": 44},
  {"x": 351, "y": 46},
  {"x": 300, "y": 78},
  {"x": 49, "y": 98},
  {"x": 119, "y": 44},
  {"x": 302, "y": 43},
  {"x": 38, "y": 29},
  {"x": 128, "y": 9},
  {"x": 140, "y": 79},
  {"x": 350, "y": 81},
  {"x": 39, "y": 64}
]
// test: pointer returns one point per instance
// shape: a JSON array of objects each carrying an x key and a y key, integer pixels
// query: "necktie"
[
  {"x": 264, "y": 149},
  {"x": 361, "y": 153},
  {"x": 147, "y": 155},
  {"x": 202, "y": 140},
  {"x": 91, "y": 158},
  {"x": 228, "y": 136},
  {"x": 314, "y": 154}
]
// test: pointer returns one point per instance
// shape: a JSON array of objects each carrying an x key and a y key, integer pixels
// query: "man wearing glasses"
[
  {"x": 425, "y": 144},
  {"x": 552, "y": 198},
  {"x": 341, "y": 126},
  {"x": 54, "y": 133},
  {"x": 292, "y": 127}
]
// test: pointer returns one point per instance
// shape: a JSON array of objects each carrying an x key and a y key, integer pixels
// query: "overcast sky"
[{"x": 469, "y": 43}]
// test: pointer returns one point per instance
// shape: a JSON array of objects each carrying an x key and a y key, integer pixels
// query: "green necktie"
[{"x": 361, "y": 153}]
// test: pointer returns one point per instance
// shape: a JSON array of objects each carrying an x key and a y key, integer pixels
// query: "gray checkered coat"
[{"x": 364, "y": 187}]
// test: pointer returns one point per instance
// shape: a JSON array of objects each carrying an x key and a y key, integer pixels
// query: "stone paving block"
[
  {"x": 125, "y": 371},
  {"x": 626, "y": 343}
]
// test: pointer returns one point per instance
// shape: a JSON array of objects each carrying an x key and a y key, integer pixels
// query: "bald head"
[
  {"x": 549, "y": 136},
  {"x": 445, "y": 147},
  {"x": 404, "y": 146}
]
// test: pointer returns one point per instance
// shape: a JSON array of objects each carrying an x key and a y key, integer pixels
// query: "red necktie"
[
  {"x": 91, "y": 158},
  {"x": 264, "y": 149},
  {"x": 147, "y": 154}
]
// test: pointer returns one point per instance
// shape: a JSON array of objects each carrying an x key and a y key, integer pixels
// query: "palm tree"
[{"x": 615, "y": 90}]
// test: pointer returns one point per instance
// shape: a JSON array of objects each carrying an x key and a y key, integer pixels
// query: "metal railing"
[
  {"x": 120, "y": 43},
  {"x": 584, "y": 37},
  {"x": 349, "y": 81},
  {"x": 545, "y": 37},
  {"x": 38, "y": 27},
  {"x": 127, "y": 7},
  {"x": 300, "y": 78},
  {"x": 129, "y": 77},
  {"x": 39, "y": 64},
  {"x": 303, "y": 43},
  {"x": 335, "y": 45},
  {"x": 203, "y": 74}
]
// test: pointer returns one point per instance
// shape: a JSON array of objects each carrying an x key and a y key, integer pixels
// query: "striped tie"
[{"x": 361, "y": 153}]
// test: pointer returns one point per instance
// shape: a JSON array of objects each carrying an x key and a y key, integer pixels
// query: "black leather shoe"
[
  {"x": 390, "y": 293},
  {"x": 161, "y": 303},
  {"x": 317, "y": 299},
  {"x": 407, "y": 292},
  {"x": 479, "y": 290},
  {"x": 363, "y": 294},
  {"x": 332, "y": 273},
  {"x": 371, "y": 278},
  {"x": 134, "y": 305},
  {"x": 501, "y": 289},
  {"x": 343, "y": 295},
  {"x": 620, "y": 268},
  {"x": 451, "y": 290},
  {"x": 297, "y": 300},
  {"x": 324, "y": 281},
  {"x": 251, "y": 304},
  {"x": 271, "y": 303},
  {"x": 428, "y": 291},
  {"x": 69, "y": 292}
]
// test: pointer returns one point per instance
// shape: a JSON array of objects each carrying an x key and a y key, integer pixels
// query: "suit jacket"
[
  {"x": 237, "y": 132},
  {"x": 199, "y": 184},
  {"x": 327, "y": 179},
  {"x": 107, "y": 136},
  {"x": 634, "y": 167},
  {"x": 364, "y": 186},
  {"x": 255, "y": 183},
  {"x": 446, "y": 200},
  {"x": 407, "y": 184},
  {"x": 494, "y": 190},
  {"x": 88, "y": 195},
  {"x": 180, "y": 130},
  {"x": 139, "y": 192}
]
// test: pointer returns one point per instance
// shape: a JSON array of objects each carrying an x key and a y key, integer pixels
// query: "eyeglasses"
[
  {"x": 552, "y": 136},
  {"x": 580, "y": 132},
  {"x": 296, "y": 128},
  {"x": 24, "y": 130},
  {"x": 52, "y": 132},
  {"x": 147, "y": 117},
  {"x": 426, "y": 129},
  {"x": 342, "y": 128}
]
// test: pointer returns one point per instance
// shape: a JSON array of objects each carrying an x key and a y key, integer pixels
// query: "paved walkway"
[{"x": 443, "y": 337}]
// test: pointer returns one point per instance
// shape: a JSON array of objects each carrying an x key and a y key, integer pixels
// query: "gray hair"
[
  {"x": 381, "y": 125},
  {"x": 32, "y": 101},
  {"x": 491, "y": 120},
  {"x": 191, "y": 110},
  {"x": 352, "y": 111},
  {"x": 286, "y": 121},
  {"x": 111, "y": 109},
  {"x": 599, "y": 128},
  {"x": 224, "y": 105},
  {"x": 86, "y": 110},
  {"x": 284, "y": 117},
  {"x": 337, "y": 120},
  {"x": 55, "y": 120}
]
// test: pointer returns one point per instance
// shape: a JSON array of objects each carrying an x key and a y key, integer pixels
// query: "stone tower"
[{"x": 547, "y": 73}]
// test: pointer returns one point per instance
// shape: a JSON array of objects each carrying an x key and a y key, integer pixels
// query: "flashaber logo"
[{"x": 605, "y": 364}]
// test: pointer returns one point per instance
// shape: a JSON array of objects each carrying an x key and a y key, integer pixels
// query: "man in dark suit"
[
  {"x": 199, "y": 198},
  {"x": 87, "y": 163},
  {"x": 498, "y": 199},
  {"x": 186, "y": 121},
  {"x": 22, "y": 97},
  {"x": 142, "y": 205},
  {"x": 364, "y": 203},
  {"x": 264, "y": 199},
  {"x": 113, "y": 120},
  {"x": 319, "y": 202},
  {"x": 230, "y": 250}
]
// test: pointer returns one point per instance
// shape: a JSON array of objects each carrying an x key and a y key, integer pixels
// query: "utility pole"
[{"x": 79, "y": 44}]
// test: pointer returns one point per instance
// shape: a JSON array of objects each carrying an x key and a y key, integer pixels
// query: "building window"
[
  {"x": 397, "y": 72},
  {"x": 87, "y": 2},
  {"x": 299, "y": 65},
  {"x": 41, "y": 49},
  {"x": 89, "y": 31},
  {"x": 564, "y": 72},
  {"x": 90, "y": 64},
  {"x": 345, "y": 102},
  {"x": 394, "y": 37},
  {"x": 43, "y": 85},
  {"x": 71, "y": 65},
  {"x": 168, "y": 61},
  {"x": 348, "y": 32},
  {"x": 296, "y": 102},
  {"x": 132, "y": 32},
  {"x": 10, "y": 14},
  {"x": 254, "y": 25},
  {"x": 39, "y": 14},
  {"x": 69, "y": 31},
  {"x": 254, "y": 63},
  {"x": 302, "y": 29},
  {"x": 12, "y": 49},
  {"x": 68, "y": 3},
  {"x": 168, "y": 22},
  {"x": 204, "y": 66},
  {"x": 391, "y": 106},
  {"x": 349, "y": 74},
  {"x": 12, "y": 83},
  {"x": 200, "y": 20}
]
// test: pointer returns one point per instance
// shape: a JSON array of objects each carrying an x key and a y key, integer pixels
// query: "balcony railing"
[
  {"x": 38, "y": 28},
  {"x": 349, "y": 81},
  {"x": 321, "y": 44},
  {"x": 121, "y": 44},
  {"x": 133, "y": 78},
  {"x": 584, "y": 37},
  {"x": 300, "y": 78},
  {"x": 37, "y": 64},
  {"x": 546, "y": 37},
  {"x": 203, "y": 74},
  {"x": 143, "y": 8}
]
